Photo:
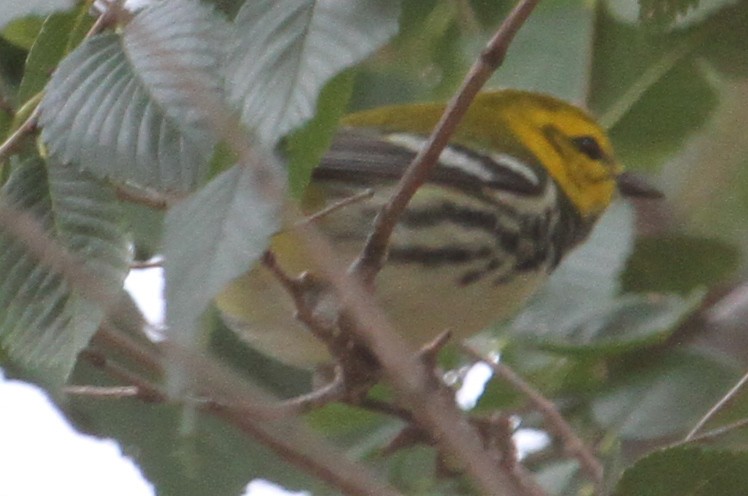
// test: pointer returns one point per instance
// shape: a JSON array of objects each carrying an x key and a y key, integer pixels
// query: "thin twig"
[
  {"x": 372, "y": 256},
  {"x": 330, "y": 392},
  {"x": 573, "y": 444},
  {"x": 115, "y": 392},
  {"x": 146, "y": 391},
  {"x": 283, "y": 436},
  {"x": 714, "y": 433},
  {"x": 12, "y": 144},
  {"x": 717, "y": 407},
  {"x": 363, "y": 195},
  {"x": 147, "y": 264}
]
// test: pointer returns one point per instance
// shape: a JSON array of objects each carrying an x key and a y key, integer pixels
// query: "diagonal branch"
[
  {"x": 372, "y": 257},
  {"x": 573, "y": 444}
]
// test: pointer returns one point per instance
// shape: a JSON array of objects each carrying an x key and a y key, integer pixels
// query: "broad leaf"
[
  {"x": 687, "y": 471},
  {"x": 579, "y": 311},
  {"x": 17, "y": 9},
  {"x": 638, "y": 86},
  {"x": 44, "y": 320},
  {"x": 141, "y": 106},
  {"x": 48, "y": 48},
  {"x": 306, "y": 145},
  {"x": 679, "y": 263},
  {"x": 663, "y": 398},
  {"x": 214, "y": 237},
  {"x": 286, "y": 50},
  {"x": 586, "y": 280}
]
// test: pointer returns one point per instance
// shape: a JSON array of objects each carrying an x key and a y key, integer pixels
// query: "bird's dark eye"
[{"x": 589, "y": 146}]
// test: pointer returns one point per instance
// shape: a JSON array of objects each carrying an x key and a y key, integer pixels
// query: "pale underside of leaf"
[
  {"x": 138, "y": 107},
  {"x": 44, "y": 321},
  {"x": 212, "y": 238},
  {"x": 287, "y": 50}
]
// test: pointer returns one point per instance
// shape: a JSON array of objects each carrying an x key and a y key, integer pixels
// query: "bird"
[{"x": 522, "y": 182}]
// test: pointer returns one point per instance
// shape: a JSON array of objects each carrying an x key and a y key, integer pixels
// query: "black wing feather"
[{"x": 363, "y": 157}]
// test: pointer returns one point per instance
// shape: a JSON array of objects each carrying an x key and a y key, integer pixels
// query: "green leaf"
[
  {"x": 661, "y": 15},
  {"x": 44, "y": 323},
  {"x": 306, "y": 145},
  {"x": 640, "y": 84},
  {"x": 663, "y": 398},
  {"x": 623, "y": 324},
  {"x": 212, "y": 458},
  {"x": 727, "y": 45},
  {"x": 552, "y": 51},
  {"x": 687, "y": 471},
  {"x": 49, "y": 47},
  {"x": 16, "y": 10},
  {"x": 678, "y": 263},
  {"x": 286, "y": 50},
  {"x": 141, "y": 107},
  {"x": 23, "y": 32},
  {"x": 215, "y": 236}
]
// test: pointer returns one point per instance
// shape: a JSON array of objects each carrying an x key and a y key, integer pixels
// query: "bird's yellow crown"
[{"x": 566, "y": 141}]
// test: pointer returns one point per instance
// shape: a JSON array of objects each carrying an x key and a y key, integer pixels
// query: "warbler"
[{"x": 522, "y": 182}]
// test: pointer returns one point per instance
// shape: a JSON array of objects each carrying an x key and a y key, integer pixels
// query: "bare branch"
[
  {"x": 246, "y": 411},
  {"x": 573, "y": 444}
]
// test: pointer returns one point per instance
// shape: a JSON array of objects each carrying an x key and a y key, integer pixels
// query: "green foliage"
[
  {"x": 662, "y": 397},
  {"x": 305, "y": 146},
  {"x": 58, "y": 35},
  {"x": 45, "y": 320},
  {"x": 212, "y": 458},
  {"x": 679, "y": 264},
  {"x": 684, "y": 470},
  {"x": 220, "y": 110}
]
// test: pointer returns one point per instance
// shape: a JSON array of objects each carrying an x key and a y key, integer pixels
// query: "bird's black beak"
[{"x": 633, "y": 186}]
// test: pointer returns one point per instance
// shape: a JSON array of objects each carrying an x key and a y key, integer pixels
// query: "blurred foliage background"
[{"x": 635, "y": 339}]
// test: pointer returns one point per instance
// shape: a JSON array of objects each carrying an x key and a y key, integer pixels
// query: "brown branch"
[
  {"x": 147, "y": 264},
  {"x": 572, "y": 443},
  {"x": 145, "y": 390},
  {"x": 248, "y": 415},
  {"x": 115, "y": 392},
  {"x": 372, "y": 257},
  {"x": 717, "y": 407},
  {"x": 415, "y": 386}
]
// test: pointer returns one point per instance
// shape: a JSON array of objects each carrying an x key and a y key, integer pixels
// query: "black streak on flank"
[
  {"x": 449, "y": 212},
  {"x": 448, "y": 255}
]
